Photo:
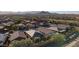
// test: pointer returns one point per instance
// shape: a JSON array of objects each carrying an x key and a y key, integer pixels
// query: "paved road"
[{"x": 73, "y": 43}]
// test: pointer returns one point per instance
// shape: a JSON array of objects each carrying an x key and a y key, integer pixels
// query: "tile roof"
[
  {"x": 53, "y": 28},
  {"x": 16, "y": 35},
  {"x": 30, "y": 32},
  {"x": 2, "y": 39},
  {"x": 45, "y": 30},
  {"x": 63, "y": 26}
]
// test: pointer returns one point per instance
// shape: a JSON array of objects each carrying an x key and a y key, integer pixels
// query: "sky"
[{"x": 39, "y": 5}]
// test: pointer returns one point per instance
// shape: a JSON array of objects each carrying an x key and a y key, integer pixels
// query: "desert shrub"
[{"x": 22, "y": 43}]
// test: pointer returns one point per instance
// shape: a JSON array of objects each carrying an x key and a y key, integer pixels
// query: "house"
[
  {"x": 17, "y": 35},
  {"x": 29, "y": 33},
  {"x": 26, "y": 22},
  {"x": 33, "y": 33},
  {"x": 21, "y": 27},
  {"x": 3, "y": 39},
  {"x": 8, "y": 23},
  {"x": 1, "y": 27},
  {"x": 28, "y": 26},
  {"x": 46, "y": 32},
  {"x": 53, "y": 29},
  {"x": 62, "y": 27},
  {"x": 34, "y": 24},
  {"x": 44, "y": 24},
  {"x": 53, "y": 25}
]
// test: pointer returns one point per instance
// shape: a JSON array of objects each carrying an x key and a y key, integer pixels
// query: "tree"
[
  {"x": 36, "y": 39},
  {"x": 77, "y": 29},
  {"x": 58, "y": 39},
  {"x": 22, "y": 43}
]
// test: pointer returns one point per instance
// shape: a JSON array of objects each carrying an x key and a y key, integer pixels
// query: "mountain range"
[{"x": 39, "y": 12}]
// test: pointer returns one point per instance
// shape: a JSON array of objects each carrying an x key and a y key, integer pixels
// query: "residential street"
[{"x": 74, "y": 43}]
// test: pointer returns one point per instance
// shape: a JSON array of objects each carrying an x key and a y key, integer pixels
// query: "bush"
[
  {"x": 77, "y": 29},
  {"x": 36, "y": 39},
  {"x": 58, "y": 39},
  {"x": 22, "y": 43}
]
